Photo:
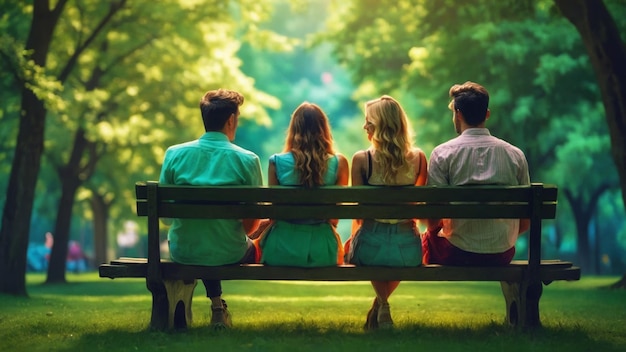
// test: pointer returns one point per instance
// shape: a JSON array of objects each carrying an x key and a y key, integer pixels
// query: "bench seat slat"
[
  {"x": 550, "y": 270},
  {"x": 544, "y": 262}
]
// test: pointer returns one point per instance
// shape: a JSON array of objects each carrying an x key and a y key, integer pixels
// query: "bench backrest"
[{"x": 536, "y": 202}]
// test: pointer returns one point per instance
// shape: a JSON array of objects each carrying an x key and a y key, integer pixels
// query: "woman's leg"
[{"x": 383, "y": 290}]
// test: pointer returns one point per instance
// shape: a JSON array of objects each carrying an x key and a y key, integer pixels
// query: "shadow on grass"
[{"x": 308, "y": 336}]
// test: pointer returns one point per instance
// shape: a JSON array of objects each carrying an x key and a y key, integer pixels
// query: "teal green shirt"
[{"x": 211, "y": 160}]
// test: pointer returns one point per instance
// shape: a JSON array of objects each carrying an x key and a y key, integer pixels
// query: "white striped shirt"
[{"x": 478, "y": 158}]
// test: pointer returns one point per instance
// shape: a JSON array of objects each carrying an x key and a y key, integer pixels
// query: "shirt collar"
[
  {"x": 476, "y": 131},
  {"x": 214, "y": 136}
]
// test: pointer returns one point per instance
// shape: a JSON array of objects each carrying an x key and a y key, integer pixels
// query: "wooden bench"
[{"x": 172, "y": 284}]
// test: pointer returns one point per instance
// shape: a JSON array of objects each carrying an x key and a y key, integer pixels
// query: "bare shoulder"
[
  {"x": 341, "y": 158},
  {"x": 359, "y": 156},
  {"x": 416, "y": 153}
]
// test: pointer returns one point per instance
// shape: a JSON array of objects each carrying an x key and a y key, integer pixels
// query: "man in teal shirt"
[{"x": 213, "y": 160}]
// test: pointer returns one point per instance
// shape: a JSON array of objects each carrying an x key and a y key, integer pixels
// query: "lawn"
[{"x": 94, "y": 314}]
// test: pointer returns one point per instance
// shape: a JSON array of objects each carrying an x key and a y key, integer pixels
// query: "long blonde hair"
[
  {"x": 391, "y": 139},
  {"x": 310, "y": 141}
]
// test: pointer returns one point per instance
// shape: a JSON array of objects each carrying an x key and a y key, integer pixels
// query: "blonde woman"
[
  {"x": 308, "y": 160},
  {"x": 391, "y": 160}
]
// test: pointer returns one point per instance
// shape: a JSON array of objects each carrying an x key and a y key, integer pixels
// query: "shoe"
[
  {"x": 371, "y": 323},
  {"x": 220, "y": 317},
  {"x": 384, "y": 317}
]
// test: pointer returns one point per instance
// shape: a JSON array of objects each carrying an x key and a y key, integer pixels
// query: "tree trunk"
[
  {"x": 582, "y": 218},
  {"x": 20, "y": 196},
  {"x": 607, "y": 53},
  {"x": 72, "y": 175},
  {"x": 583, "y": 213},
  {"x": 58, "y": 256},
  {"x": 100, "y": 209},
  {"x": 20, "y": 193}
]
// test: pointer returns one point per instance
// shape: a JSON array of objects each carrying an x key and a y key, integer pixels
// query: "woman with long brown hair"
[{"x": 308, "y": 160}]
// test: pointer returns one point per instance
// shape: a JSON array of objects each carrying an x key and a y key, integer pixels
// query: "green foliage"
[
  {"x": 295, "y": 74},
  {"x": 427, "y": 46},
  {"x": 131, "y": 80}
]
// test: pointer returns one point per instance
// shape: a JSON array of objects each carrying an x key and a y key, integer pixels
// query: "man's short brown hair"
[
  {"x": 216, "y": 107},
  {"x": 472, "y": 100}
]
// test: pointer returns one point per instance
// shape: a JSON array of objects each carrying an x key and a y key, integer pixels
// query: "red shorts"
[{"x": 438, "y": 250}]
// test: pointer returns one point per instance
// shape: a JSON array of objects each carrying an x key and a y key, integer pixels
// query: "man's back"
[
  {"x": 211, "y": 160},
  {"x": 476, "y": 157}
]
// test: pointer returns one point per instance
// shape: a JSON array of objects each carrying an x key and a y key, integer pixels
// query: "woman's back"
[
  {"x": 288, "y": 175},
  {"x": 407, "y": 175},
  {"x": 308, "y": 160}
]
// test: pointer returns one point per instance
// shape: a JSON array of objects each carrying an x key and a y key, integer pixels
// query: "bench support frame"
[
  {"x": 171, "y": 304},
  {"x": 522, "y": 303}
]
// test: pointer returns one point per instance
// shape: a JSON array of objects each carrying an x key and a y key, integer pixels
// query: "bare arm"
[
  {"x": 524, "y": 225},
  {"x": 251, "y": 225},
  {"x": 343, "y": 176},
  {"x": 343, "y": 171},
  {"x": 434, "y": 225},
  {"x": 272, "y": 179},
  {"x": 422, "y": 173},
  {"x": 358, "y": 162}
]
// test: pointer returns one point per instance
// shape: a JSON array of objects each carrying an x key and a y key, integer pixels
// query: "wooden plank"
[
  {"x": 380, "y": 202},
  {"x": 347, "y": 211},
  {"x": 131, "y": 260},
  {"x": 338, "y": 194},
  {"x": 112, "y": 271},
  {"x": 549, "y": 271},
  {"x": 548, "y": 275},
  {"x": 548, "y": 263}
]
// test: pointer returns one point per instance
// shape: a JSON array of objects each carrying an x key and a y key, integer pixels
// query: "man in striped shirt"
[{"x": 475, "y": 157}]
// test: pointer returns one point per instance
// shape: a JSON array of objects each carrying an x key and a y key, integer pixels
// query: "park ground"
[{"x": 95, "y": 314}]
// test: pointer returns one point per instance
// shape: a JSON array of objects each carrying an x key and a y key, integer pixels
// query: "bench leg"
[
  {"x": 522, "y": 303},
  {"x": 160, "y": 306},
  {"x": 180, "y": 295},
  {"x": 171, "y": 304}
]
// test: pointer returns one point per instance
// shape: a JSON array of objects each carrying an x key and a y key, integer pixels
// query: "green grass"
[{"x": 94, "y": 314}]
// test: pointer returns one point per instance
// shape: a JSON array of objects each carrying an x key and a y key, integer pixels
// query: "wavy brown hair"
[
  {"x": 310, "y": 141},
  {"x": 392, "y": 138}
]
